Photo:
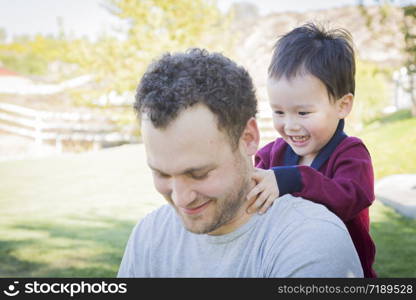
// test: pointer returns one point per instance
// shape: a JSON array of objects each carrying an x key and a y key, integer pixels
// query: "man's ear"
[
  {"x": 250, "y": 137},
  {"x": 344, "y": 105}
]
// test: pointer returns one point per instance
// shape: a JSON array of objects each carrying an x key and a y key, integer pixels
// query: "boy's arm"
[{"x": 350, "y": 190}]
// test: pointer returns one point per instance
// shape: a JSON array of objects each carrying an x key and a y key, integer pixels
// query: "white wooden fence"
[
  {"x": 265, "y": 123},
  {"x": 60, "y": 126}
]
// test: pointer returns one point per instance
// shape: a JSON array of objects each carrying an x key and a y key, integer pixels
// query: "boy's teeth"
[{"x": 299, "y": 138}]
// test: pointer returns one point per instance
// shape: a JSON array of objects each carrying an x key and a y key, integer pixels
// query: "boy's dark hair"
[
  {"x": 178, "y": 81},
  {"x": 325, "y": 54}
]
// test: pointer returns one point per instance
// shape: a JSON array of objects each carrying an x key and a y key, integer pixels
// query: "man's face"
[{"x": 196, "y": 170}]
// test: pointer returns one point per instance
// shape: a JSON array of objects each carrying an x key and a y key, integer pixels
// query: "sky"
[{"x": 89, "y": 18}]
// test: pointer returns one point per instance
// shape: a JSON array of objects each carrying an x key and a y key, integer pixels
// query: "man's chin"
[
  {"x": 197, "y": 226},
  {"x": 196, "y": 230}
]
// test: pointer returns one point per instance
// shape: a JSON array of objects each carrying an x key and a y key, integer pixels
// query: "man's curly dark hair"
[{"x": 178, "y": 81}]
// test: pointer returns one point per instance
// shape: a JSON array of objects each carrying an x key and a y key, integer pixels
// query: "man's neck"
[{"x": 240, "y": 218}]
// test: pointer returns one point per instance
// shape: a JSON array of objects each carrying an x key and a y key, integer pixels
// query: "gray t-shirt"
[{"x": 295, "y": 238}]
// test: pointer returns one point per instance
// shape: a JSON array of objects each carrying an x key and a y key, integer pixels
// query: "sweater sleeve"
[{"x": 349, "y": 190}]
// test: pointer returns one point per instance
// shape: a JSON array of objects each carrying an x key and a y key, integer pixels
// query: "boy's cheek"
[{"x": 278, "y": 125}]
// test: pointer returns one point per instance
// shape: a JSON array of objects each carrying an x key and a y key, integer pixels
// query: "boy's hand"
[{"x": 263, "y": 194}]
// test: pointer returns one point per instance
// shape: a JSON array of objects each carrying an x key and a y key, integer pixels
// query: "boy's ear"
[
  {"x": 250, "y": 137},
  {"x": 344, "y": 105}
]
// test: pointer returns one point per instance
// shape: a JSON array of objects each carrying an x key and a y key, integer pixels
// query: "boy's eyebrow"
[
  {"x": 189, "y": 170},
  {"x": 303, "y": 106}
]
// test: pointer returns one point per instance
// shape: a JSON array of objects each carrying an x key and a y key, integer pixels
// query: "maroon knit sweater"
[{"x": 340, "y": 177}]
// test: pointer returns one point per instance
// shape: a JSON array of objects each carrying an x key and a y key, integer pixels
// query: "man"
[{"x": 197, "y": 119}]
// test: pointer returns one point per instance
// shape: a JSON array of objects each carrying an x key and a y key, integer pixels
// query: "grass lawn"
[
  {"x": 392, "y": 144},
  {"x": 70, "y": 216}
]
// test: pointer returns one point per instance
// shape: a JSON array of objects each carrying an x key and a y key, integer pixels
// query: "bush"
[{"x": 372, "y": 92}]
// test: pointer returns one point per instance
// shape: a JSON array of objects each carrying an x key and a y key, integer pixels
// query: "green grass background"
[
  {"x": 392, "y": 144},
  {"x": 70, "y": 216}
]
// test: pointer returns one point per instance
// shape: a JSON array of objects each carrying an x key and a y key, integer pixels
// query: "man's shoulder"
[
  {"x": 293, "y": 217},
  {"x": 308, "y": 240},
  {"x": 295, "y": 210}
]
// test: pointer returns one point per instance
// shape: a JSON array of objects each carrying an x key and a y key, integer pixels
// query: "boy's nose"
[{"x": 291, "y": 126}]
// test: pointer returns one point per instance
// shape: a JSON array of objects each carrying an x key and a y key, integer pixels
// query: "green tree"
[
  {"x": 371, "y": 92},
  {"x": 409, "y": 30},
  {"x": 408, "y": 27},
  {"x": 3, "y": 35},
  {"x": 154, "y": 27},
  {"x": 32, "y": 55}
]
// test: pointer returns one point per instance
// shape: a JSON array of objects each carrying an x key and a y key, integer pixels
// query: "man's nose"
[{"x": 182, "y": 193}]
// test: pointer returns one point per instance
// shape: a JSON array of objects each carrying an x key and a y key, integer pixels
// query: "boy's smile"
[
  {"x": 303, "y": 113},
  {"x": 299, "y": 140}
]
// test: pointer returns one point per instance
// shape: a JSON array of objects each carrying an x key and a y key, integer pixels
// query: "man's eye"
[
  {"x": 304, "y": 113},
  {"x": 161, "y": 175},
  {"x": 199, "y": 177}
]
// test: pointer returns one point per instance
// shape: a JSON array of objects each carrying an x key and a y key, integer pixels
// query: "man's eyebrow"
[
  {"x": 189, "y": 170},
  {"x": 201, "y": 168}
]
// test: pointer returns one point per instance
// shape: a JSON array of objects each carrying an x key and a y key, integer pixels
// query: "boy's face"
[{"x": 303, "y": 113}]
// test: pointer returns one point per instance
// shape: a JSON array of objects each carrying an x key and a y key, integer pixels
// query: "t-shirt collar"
[{"x": 226, "y": 238}]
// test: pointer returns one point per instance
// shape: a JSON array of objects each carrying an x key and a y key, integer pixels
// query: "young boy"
[{"x": 311, "y": 89}]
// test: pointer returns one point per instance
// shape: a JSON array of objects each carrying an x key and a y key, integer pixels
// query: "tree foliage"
[
  {"x": 408, "y": 27},
  {"x": 153, "y": 27},
  {"x": 409, "y": 30},
  {"x": 371, "y": 92},
  {"x": 28, "y": 56}
]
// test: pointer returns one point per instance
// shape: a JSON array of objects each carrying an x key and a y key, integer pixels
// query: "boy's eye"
[
  {"x": 278, "y": 112},
  {"x": 304, "y": 113}
]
